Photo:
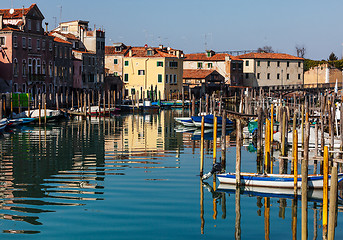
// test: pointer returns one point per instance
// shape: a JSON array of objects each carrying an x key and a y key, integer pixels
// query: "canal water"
[{"x": 132, "y": 177}]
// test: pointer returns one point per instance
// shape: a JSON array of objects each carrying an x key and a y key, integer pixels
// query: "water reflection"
[{"x": 66, "y": 164}]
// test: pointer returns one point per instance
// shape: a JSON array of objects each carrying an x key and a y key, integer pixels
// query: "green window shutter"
[
  {"x": 159, "y": 78},
  {"x": 126, "y": 77},
  {"x": 115, "y": 61},
  {"x": 159, "y": 64},
  {"x": 126, "y": 63}
]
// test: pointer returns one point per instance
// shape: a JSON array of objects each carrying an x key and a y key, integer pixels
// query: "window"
[
  {"x": 278, "y": 63},
  {"x": 133, "y": 91},
  {"x": 268, "y": 64},
  {"x": 258, "y": 63},
  {"x": 159, "y": 64},
  {"x": 126, "y": 77},
  {"x": 199, "y": 65},
  {"x": 50, "y": 46},
  {"x": 268, "y": 75},
  {"x": 141, "y": 72},
  {"x": 233, "y": 66},
  {"x": 38, "y": 26},
  {"x": 15, "y": 43},
  {"x": 247, "y": 75},
  {"x": 175, "y": 78},
  {"x": 44, "y": 68},
  {"x": 299, "y": 76},
  {"x": 30, "y": 43},
  {"x": 38, "y": 44},
  {"x": 15, "y": 87},
  {"x": 15, "y": 67},
  {"x": 115, "y": 61},
  {"x": 56, "y": 51},
  {"x": 287, "y": 76},
  {"x": 24, "y": 42},
  {"x": 278, "y": 76},
  {"x": 247, "y": 63},
  {"x": 159, "y": 78},
  {"x": 258, "y": 75},
  {"x": 24, "y": 87},
  {"x": 30, "y": 67},
  {"x": 2, "y": 41},
  {"x": 115, "y": 73},
  {"x": 287, "y": 64},
  {"x": 24, "y": 70},
  {"x": 43, "y": 45},
  {"x": 65, "y": 29},
  {"x": 149, "y": 52},
  {"x": 210, "y": 65},
  {"x": 299, "y": 64},
  {"x": 173, "y": 64},
  {"x": 126, "y": 63},
  {"x": 29, "y": 24},
  {"x": 50, "y": 69},
  {"x": 171, "y": 79},
  {"x": 38, "y": 71},
  {"x": 167, "y": 78}
]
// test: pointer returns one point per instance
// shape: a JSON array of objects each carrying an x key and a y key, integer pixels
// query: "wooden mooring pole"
[
  {"x": 202, "y": 147},
  {"x": 238, "y": 151}
]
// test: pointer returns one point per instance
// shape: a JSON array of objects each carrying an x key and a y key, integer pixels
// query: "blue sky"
[{"x": 221, "y": 25}]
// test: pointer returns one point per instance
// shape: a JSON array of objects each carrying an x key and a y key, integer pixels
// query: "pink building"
[
  {"x": 77, "y": 73},
  {"x": 26, "y": 53}
]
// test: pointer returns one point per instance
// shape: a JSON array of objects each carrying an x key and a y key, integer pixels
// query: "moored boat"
[
  {"x": 186, "y": 121},
  {"x": 3, "y": 123},
  {"x": 209, "y": 121},
  {"x": 274, "y": 180}
]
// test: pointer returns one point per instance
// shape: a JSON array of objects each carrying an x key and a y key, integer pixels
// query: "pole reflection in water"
[
  {"x": 238, "y": 214},
  {"x": 267, "y": 217},
  {"x": 294, "y": 218},
  {"x": 202, "y": 207}
]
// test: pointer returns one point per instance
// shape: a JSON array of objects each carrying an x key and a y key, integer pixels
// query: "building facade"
[
  {"x": 230, "y": 67},
  {"x": 322, "y": 74},
  {"x": 272, "y": 69},
  {"x": 114, "y": 56},
  {"x": 153, "y": 72},
  {"x": 26, "y": 51}
]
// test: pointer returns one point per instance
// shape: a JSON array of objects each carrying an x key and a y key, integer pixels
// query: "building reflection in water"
[{"x": 65, "y": 164}]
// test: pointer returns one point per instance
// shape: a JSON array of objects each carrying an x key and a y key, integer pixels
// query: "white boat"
[
  {"x": 50, "y": 114},
  {"x": 3, "y": 123},
  {"x": 274, "y": 180},
  {"x": 186, "y": 121}
]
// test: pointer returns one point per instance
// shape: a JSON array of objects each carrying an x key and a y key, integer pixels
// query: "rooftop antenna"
[
  {"x": 61, "y": 14},
  {"x": 12, "y": 9},
  {"x": 55, "y": 18}
]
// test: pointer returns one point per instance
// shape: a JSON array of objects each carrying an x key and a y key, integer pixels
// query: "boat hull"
[{"x": 273, "y": 180}]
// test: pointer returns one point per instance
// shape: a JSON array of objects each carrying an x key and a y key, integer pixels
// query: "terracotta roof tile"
[
  {"x": 215, "y": 57},
  {"x": 18, "y": 13},
  {"x": 60, "y": 40},
  {"x": 270, "y": 56},
  {"x": 196, "y": 73},
  {"x": 111, "y": 50}
]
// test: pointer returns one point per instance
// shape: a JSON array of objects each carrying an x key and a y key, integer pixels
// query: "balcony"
[{"x": 37, "y": 77}]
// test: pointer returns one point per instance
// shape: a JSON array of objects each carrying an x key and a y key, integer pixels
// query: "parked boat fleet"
[
  {"x": 195, "y": 121},
  {"x": 31, "y": 116}
]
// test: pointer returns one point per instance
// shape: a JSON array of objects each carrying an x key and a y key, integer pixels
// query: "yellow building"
[{"x": 153, "y": 72}]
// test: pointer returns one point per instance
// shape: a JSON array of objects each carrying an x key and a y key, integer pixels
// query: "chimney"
[
  {"x": 130, "y": 53},
  {"x": 23, "y": 18},
  {"x": 178, "y": 53},
  {"x": 46, "y": 27},
  {"x": 1, "y": 21},
  {"x": 161, "y": 46}
]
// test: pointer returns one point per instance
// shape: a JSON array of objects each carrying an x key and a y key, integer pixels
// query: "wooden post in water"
[
  {"x": 223, "y": 141},
  {"x": 266, "y": 218},
  {"x": 283, "y": 134},
  {"x": 57, "y": 102},
  {"x": 45, "y": 120},
  {"x": 215, "y": 122},
  {"x": 302, "y": 125},
  {"x": 1, "y": 106},
  {"x": 259, "y": 132},
  {"x": 295, "y": 162},
  {"x": 193, "y": 105},
  {"x": 267, "y": 147},
  {"x": 28, "y": 105},
  {"x": 39, "y": 114},
  {"x": 333, "y": 204},
  {"x": 207, "y": 103},
  {"x": 104, "y": 103},
  {"x": 272, "y": 124},
  {"x": 304, "y": 184},
  {"x": 99, "y": 103},
  {"x": 238, "y": 151},
  {"x": 325, "y": 190},
  {"x": 238, "y": 213},
  {"x": 202, "y": 146}
]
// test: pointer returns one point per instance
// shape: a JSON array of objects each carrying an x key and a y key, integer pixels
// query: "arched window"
[
  {"x": 24, "y": 87},
  {"x": 50, "y": 69},
  {"x": 44, "y": 87},
  {"x": 44, "y": 68},
  {"x": 15, "y": 67},
  {"x": 15, "y": 87},
  {"x": 24, "y": 68},
  {"x": 39, "y": 70}
]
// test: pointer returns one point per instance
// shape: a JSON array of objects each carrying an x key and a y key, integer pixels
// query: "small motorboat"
[
  {"x": 209, "y": 121},
  {"x": 274, "y": 180},
  {"x": 17, "y": 121},
  {"x": 186, "y": 121},
  {"x": 3, "y": 123}
]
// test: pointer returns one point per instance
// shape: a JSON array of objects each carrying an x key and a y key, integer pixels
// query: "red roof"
[
  {"x": 60, "y": 40},
  {"x": 143, "y": 52},
  {"x": 281, "y": 56},
  {"x": 111, "y": 50},
  {"x": 67, "y": 35},
  {"x": 215, "y": 57},
  {"x": 18, "y": 13},
  {"x": 197, "y": 73}
]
